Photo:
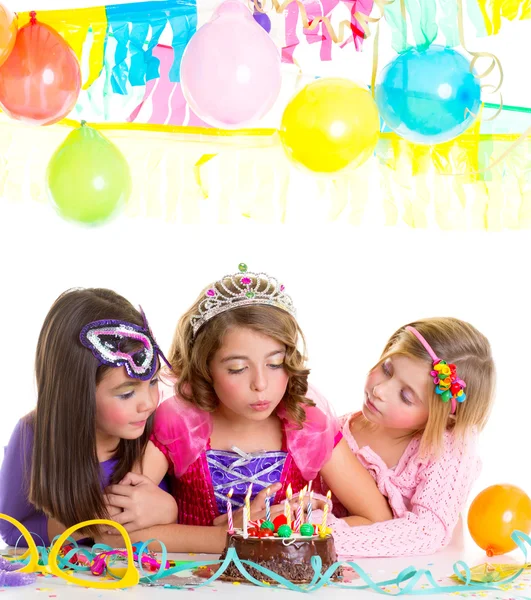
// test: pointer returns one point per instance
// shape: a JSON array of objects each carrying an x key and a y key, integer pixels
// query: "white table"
[{"x": 440, "y": 564}]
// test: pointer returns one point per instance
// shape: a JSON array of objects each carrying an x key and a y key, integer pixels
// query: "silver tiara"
[{"x": 241, "y": 289}]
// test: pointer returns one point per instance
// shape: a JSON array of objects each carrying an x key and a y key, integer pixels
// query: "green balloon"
[{"x": 88, "y": 178}]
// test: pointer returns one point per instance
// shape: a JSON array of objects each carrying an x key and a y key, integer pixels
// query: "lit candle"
[
  {"x": 268, "y": 505},
  {"x": 309, "y": 508},
  {"x": 298, "y": 520},
  {"x": 287, "y": 506},
  {"x": 247, "y": 510},
  {"x": 325, "y": 511},
  {"x": 229, "y": 511}
]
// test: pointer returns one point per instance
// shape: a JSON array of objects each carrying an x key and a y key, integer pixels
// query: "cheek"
[
  {"x": 406, "y": 418},
  {"x": 113, "y": 414}
]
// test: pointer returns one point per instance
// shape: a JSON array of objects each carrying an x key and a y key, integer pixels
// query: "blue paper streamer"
[
  {"x": 406, "y": 580},
  {"x": 132, "y": 25}
]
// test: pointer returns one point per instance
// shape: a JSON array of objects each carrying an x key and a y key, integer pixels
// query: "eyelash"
[
  {"x": 130, "y": 394},
  {"x": 238, "y": 371},
  {"x": 402, "y": 395}
]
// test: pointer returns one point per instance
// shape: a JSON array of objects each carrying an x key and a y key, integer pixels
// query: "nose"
[
  {"x": 259, "y": 380},
  {"x": 148, "y": 400}
]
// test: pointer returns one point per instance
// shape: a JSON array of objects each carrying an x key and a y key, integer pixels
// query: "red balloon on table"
[{"x": 41, "y": 79}]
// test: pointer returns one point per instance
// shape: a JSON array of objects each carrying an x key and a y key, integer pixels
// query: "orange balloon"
[
  {"x": 8, "y": 32},
  {"x": 495, "y": 513},
  {"x": 41, "y": 79}
]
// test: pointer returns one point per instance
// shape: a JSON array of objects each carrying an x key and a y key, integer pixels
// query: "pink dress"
[
  {"x": 425, "y": 495},
  {"x": 182, "y": 433}
]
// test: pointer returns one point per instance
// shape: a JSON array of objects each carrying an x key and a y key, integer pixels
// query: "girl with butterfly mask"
[{"x": 96, "y": 370}]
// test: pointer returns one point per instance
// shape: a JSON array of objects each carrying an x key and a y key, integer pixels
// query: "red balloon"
[{"x": 41, "y": 79}]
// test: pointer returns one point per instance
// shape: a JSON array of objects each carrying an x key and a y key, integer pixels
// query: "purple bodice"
[{"x": 236, "y": 470}]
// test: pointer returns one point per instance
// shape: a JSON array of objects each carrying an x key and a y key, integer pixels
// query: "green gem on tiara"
[
  {"x": 242, "y": 268},
  {"x": 250, "y": 294}
]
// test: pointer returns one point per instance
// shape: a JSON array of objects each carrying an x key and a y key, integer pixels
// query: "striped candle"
[
  {"x": 298, "y": 519},
  {"x": 268, "y": 504},
  {"x": 287, "y": 506},
  {"x": 229, "y": 511}
]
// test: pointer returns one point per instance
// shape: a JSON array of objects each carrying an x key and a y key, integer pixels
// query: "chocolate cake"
[{"x": 289, "y": 557}]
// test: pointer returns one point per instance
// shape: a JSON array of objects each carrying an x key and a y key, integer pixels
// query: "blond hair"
[
  {"x": 190, "y": 357},
  {"x": 459, "y": 343}
]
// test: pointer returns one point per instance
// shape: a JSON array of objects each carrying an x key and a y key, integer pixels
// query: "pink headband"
[{"x": 447, "y": 383}]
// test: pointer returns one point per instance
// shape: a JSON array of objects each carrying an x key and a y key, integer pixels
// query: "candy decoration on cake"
[
  {"x": 284, "y": 531},
  {"x": 278, "y": 521},
  {"x": 267, "y": 525},
  {"x": 307, "y": 530}
]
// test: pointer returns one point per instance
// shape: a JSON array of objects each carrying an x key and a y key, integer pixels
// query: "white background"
[{"x": 352, "y": 286}]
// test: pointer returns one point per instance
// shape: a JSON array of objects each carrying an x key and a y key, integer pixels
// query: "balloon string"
[
  {"x": 476, "y": 56},
  {"x": 339, "y": 37}
]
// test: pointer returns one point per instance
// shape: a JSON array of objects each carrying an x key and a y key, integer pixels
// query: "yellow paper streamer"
[
  {"x": 249, "y": 177},
  {"x": 73, "y": 26},
  {"x": 494, "y": 10}
]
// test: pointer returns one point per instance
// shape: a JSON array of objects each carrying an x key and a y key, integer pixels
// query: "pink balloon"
[{"x": 230, "y": 70}]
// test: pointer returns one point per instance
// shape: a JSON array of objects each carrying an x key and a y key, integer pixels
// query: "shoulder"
[
  {"x": 175, "y": 414},
  {"x": 22, "y": 434}
]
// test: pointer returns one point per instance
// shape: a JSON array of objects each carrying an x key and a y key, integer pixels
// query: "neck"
[
  {"x": 390, "y": 433},
  {"x": 105, "y": 445}
]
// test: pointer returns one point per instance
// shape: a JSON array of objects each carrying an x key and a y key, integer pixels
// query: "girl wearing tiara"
[
  {"x": 425, "y": 402},
  {"x": 97, "y": 384},
  {"x": 243, "y": 412}
]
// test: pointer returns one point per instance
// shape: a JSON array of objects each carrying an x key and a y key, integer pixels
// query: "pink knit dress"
[{"x": 425, "y": 495}]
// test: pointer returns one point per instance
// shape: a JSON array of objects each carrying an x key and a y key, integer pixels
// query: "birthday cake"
[{"x": 280, "y": 550}]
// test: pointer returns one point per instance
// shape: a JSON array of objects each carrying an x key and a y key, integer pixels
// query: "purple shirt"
[{"x": 14, "y": 483}]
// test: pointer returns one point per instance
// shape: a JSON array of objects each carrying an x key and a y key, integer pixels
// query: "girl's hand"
[{"x": 138, "y": 503}]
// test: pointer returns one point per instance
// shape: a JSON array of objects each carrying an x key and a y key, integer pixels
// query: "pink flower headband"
[{"x": 447, "y": 383}]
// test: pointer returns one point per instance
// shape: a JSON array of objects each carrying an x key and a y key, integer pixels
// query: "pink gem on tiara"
[
  {"x": 211, "y": 293},
  {"x": 246, "y": 281},
  {"x": 282, "y": 288}
]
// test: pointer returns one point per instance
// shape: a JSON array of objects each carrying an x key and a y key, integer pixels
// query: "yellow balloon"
[{"x": 330, "y": 125}]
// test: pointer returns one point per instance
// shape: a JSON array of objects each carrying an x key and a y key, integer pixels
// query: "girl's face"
[
  {"x": 123, "y": 404},
  {"x": 397, "y": 392},
  {"x": 248, "y": 374}
]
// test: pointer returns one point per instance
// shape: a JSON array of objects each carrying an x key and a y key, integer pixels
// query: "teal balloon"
[
  {"x": 88, "y": 178},
  {"x": 428, "y": 96}
]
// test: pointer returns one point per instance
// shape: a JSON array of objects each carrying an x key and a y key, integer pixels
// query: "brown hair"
[
  {"x": 65, "y": 473},
  {"x": 462, "y": 344},
  {"x": 190, "y": 357}
]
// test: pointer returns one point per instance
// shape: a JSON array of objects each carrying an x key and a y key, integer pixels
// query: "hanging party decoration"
[
  {"x": 88, "y": 178},
  {"x": 495, "y": 513},
  {"x": 41, "y": 79},
  {"x": 330, "y": 125},
  {"x": 429, "y": 96},
  {"x": 8, "y": 32},
  {"x": 230, "y": 70}
]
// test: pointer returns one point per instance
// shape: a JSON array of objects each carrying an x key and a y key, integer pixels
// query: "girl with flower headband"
[
  {"x": 97, "y": 389},
  {"x": 425, "y": 402},
  {"x": 243, "y": 413}
]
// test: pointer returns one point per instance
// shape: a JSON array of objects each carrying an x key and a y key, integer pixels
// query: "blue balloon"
[{"x": 428, "y": 97}]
